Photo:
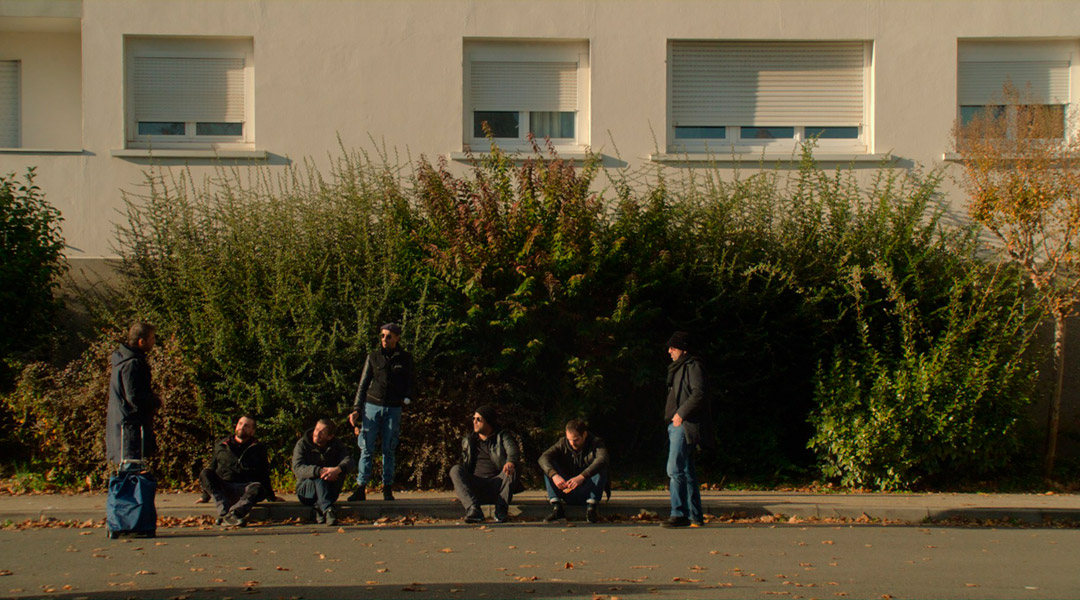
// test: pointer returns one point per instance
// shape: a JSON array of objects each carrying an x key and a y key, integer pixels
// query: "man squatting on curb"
[
  {"x": 488, "y": 472},
  {"x": 239, "y": 476},
  {"x": 576, "y": 472},
  {"x": 387, "y": 382},
  {"x": 320, "y": 462}
]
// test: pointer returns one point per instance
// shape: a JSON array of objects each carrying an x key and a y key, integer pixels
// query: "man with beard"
[
  {"x": 689, "y": 424},
  {"x": 488, "y": 470},
  {"x": 240, "y": 474},
  {"x": 320, "y": 463}
]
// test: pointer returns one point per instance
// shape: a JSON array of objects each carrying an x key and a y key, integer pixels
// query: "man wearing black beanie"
[
  {"x": 689, "y": 420},
  {"x": 488, "y": 470}
]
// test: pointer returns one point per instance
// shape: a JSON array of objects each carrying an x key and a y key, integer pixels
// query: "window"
[
  {"x": 514, "y": 89},
  {"x": 9, "y": 104},
  {"x": 758, "y": 95},
  {"x": 1011, "y": 81},
  {"x": 189, "y": 92}
]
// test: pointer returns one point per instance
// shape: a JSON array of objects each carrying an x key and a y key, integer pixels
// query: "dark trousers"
[
  {"x": 319, "y": 493},
  {"x": 237, "y": 498},
  {"x": 472, "y": 491},
  {"x": 591, "y": 491}
]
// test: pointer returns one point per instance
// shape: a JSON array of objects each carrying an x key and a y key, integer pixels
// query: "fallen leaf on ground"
[
  {"x": 381, "y": 570},
  {"x": 447, "y": 550},
  {"x": 245, "y": 568},
  {"x": 5, "y": 573},
  {"x": 568, "y": 565},
  {"x": 144, "y": 572}
]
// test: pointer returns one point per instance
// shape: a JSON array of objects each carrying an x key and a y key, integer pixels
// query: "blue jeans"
[
  {"x": 378, "y": 421},
  {"x": 319, "y": 493},
  {"x": 591, "y": 491},
  {"x": 685, "y": 491}
]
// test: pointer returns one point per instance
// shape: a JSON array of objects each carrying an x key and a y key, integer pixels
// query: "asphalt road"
[{"x": 533, "y": 560}]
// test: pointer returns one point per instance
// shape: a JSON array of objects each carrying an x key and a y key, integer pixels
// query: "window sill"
[
  {"x": 181, "y": 153},
  {"x": 520, "y": 155},
  {"x": 767, "y": 157},
  {"x": 41, "y": 151}
]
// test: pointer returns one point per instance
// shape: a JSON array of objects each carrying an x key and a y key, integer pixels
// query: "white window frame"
[
  {"x": 527, "y": 51},
  {"x": 733, "y": 142},
  {"x": 189, "y": 47},
  {"x": 1056, "y": 63},
  {"x": 11, "y": 73}
]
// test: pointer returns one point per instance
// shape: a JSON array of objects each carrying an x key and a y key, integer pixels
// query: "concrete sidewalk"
[{"x": 913, "y": 508}]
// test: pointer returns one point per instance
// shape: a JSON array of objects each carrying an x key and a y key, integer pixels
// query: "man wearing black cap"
[
  {"x": 386, "y": 384},
  {"x": 689, "y": 420},
  {"x": 488, "y": 470}
]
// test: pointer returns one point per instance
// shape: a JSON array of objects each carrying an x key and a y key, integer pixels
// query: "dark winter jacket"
[
  {"x": 308, "y": 459},
  {"x": 563, "y": 460},
  {"x": 504, "y": 448},
  {"x": 387, "y": 379},
  {"x": 688, "y": 395},
  {"x": 242, "y": 463},
  {"x": 132, "y": 405}
]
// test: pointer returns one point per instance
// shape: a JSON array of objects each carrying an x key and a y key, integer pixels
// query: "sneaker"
[
  {"x": 320, "y": 516},
  {"x": 220, "y": 521},
  {"x": 473, "y": 515},
  {"x": 558, "y": 513},
  {"x": 591, "y": 514},
  {"x": 358, "y": 496},
  {"x": 330, "y": 517},
  {"x": 501, "y": 517},
  {"x": 388, "y": 493},
  {"x": 697, "y": 523},
  {"x": 234, "y": 520},
  {"x": 676, "y": 522}
]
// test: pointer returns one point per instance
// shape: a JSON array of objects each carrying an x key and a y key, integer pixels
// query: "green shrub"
[
  {"x": 928, "y": 398},
  {"x": 60, "y": 416},
  {"x": 31, "y": 263}
]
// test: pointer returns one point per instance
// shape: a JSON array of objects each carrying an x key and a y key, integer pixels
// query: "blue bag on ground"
[{"x": 130, "y": 508}]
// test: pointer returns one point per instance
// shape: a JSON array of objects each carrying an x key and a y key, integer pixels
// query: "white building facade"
[{"x": 94, "y": 92}]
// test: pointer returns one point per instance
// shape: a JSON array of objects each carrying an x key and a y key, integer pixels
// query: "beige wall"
[{"x": 391, "y": 70}]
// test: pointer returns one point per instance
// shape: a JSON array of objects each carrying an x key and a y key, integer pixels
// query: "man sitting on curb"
[
  {"x": 320, "y": 463},
  {"x": 488, "y": 470},
  {"x": 576, "y": 469},
  {"x": 240, "y": 474}
]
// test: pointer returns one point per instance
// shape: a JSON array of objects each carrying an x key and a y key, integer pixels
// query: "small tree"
[{"x": 1021, "y": 168}]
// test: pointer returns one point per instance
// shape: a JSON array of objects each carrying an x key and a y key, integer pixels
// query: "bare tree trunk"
[{"x": 1055, "y": 400}]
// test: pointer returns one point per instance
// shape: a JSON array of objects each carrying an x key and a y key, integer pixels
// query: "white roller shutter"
[
  {"x": 768, "y": 83},
  {"x": 1037, "y": 81},
  {"x": 189, "y": 89},
  {"x": 9, "y": 103},
  {"x": 516, "y": 86}
]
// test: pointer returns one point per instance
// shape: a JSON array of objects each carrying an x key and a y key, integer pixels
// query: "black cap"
[
  {"x": 680, "y": 340},
  {"x": 392, "y": 327},
  {"x": 490, "y": 414}
]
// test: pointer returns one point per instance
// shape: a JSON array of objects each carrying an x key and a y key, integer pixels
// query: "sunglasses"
[{"x": 478, "y": 419}]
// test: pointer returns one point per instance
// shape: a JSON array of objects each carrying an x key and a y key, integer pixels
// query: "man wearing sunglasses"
[
  {"x": 386, "y": 384},
  {"x": 488, "y": 470}
]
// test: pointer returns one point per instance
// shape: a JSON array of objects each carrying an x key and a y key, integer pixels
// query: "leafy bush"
[
  {"x": 31, "y": 263},
  {"x": 60, "y": 415},
  {"x": 549, "y": 289}
]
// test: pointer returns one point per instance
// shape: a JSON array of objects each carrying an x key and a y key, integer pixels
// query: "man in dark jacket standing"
[
  {"x": 689, "y": 420},
  {"x": 320, "y": 463},
  {"x": 129, "y": 422},
  {"x": 488, "y": 470},
  {"x": 576, "y": 469},
  {"x": 240, "y": 475},
  {"x": 387, "y": 383}
]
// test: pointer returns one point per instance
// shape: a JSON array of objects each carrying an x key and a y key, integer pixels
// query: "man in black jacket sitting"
[
  {"x": 576, "y": 469},
  {"x": 488, "y": 470},
  {"x": 320, "y": 462},
  {"x": 240, "y": 474}
]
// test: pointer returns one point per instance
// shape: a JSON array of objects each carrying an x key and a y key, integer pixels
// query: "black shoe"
[
  {"x": 320, "y": 516},
  {"x": 557, "y": 513},
  {"x": 234, "y": 520},
  {"x": 591, "y": 514},
  {"x": 676, "y": 522},
  {"x": 473, "y": 515},
  {"x": 388, "y": 493},
  {"x": 358, "y": 496},
  {"x": 330, "y": 517},
  {"x": 220, "y": 521}
]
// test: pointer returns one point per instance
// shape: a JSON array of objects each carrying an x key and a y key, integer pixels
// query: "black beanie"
[
  {"x": 680, "y": 340},
  {"x": 490, "y": 415}
]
